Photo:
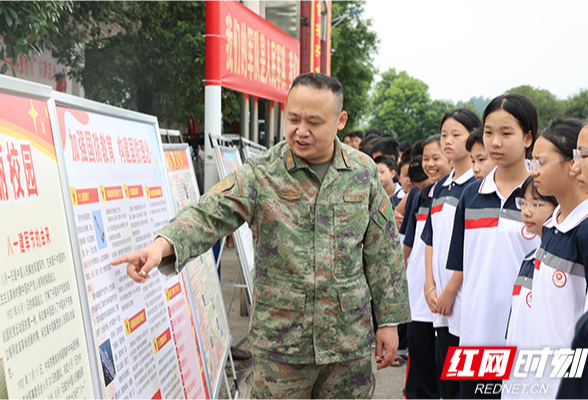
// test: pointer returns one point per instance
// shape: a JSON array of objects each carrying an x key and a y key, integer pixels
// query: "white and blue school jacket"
[
  {"x": 488, "y": 243},
  {"x": 411, "y": 197},
  {"x": 398, "y": 195},
  {"x": 439, "y": 225},
  {"x": 559, "y": 287},
  {"x": 518, "y": 331},
  {"x": 415, "y": 218}
]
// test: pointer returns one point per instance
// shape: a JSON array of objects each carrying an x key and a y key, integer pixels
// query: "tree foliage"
[
  {"x": 146, "y": 56},
  {"x": 577, "y": 105},
  {"x": 402, "y": 107},
  {"x": 547, "y": 105},
  {"x": 354, "y": 45},
  {"x": 21, "y": 25}
]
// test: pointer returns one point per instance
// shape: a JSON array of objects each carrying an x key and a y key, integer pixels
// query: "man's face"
[
  {"x": 312, "y": 122},
  {"x": 355, "y": 142}
]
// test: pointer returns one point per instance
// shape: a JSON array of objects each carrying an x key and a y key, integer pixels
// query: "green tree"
[
  {"x": 21, "y": 25},
  {"x": 402, "y": 107},
  {"x": 354, "y": 45},
  {"x": 145, "y": 56},
  {"x": 547, "y": 104},
  {"x": 577, "y": 105}
]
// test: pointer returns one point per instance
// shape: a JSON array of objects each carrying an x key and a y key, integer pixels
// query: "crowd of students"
[{"x": 492, "y": 216}]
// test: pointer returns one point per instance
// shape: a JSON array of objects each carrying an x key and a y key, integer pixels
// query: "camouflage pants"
[{"x": 345, "y": 380}]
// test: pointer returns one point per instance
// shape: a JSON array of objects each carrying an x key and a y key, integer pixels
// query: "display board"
[
  {"x": 43, "y": 346},
  {"x": 208, "y": 303},
  {"x": 143, "y": 335},
  {"x": 227, "y": 160},
  {"x": 249, "y": 152}
]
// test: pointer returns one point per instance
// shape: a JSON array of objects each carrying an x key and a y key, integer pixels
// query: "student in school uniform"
[
  {"x": 422, "y": 376},
  {"x": 489, "y": 239},
  {"x": 535, "y": 210},
  {"x": 482, "y": 164},
  {"x": 442, "y": 295},
  {"x": 559, "y": 281},
  {"x": 387, "y": 171}
]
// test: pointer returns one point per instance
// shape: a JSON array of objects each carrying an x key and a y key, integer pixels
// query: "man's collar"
[{"x": 340, "y": 158}]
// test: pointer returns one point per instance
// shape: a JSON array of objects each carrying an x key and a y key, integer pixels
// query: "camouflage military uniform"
[{"x": 322, "y": 252}]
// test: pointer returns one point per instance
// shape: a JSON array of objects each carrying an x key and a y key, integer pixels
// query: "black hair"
[
  {"x": 529, "y": 184},
  {"x": 388, "y": 146},
  {"x": 321, "y": 81},
  {"x": 432, "y": 139},
  {"x": 367, "y": 144},
  {"x": 416, "y": 173},
  {"x": 476, "y": 136},
  {"x": 358, "y": 134},
  {"x": 403, "y": 161},
  {"x": 404, "y": 146},
  {"x": 464, "y": 116},
  {"x": 563, "y": 134},
  {"x": 417, "y": 149},
  {"x": 522, "y": 109},
  {"x": 373, "y": 131},
  {"x": 346, "y": 135},
  {"x": 386, "y": 160}
]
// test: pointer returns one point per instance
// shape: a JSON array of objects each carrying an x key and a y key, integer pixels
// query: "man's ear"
[{"x": 341, "y": 120}]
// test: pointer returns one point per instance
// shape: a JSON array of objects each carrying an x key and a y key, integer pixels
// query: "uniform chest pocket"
[
  {"x": 285, "y": 240},
  {"x": 351, "y": 221}
]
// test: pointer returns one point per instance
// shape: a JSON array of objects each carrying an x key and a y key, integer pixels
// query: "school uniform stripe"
[
  {"x": 558, "y": 263},
  {"x": 422, "y": 214},
  {"x": 481, "y": 223},
  {"x": 481, "y": 213},
  {"x": 516, "y": 290},
  {"x": 524, "y": 282}
]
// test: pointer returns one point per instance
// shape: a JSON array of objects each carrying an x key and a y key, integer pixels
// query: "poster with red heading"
[
  {"x": 43, "y": 348},
  {"x": 143, "y": 333}
]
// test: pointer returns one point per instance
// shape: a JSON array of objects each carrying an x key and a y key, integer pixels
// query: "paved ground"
[{"x": 389, "y": 382}]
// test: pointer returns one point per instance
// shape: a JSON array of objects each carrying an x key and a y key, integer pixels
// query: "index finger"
[{"x": 121, "y": 259}]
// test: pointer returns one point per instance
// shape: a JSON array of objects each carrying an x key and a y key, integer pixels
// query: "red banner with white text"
[{"x": 248, "y": 54}]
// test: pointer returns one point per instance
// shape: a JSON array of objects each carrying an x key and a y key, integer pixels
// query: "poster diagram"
[
  {"x": 43, "y": 350},
  {"x": 143, "y": 333}
]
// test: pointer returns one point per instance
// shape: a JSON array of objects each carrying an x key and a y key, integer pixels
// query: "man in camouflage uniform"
[{"x": 325, "y": 245}]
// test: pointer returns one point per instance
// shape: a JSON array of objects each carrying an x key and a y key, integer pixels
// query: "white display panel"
[
  {"x": 207, "y": 300},
  {"x": 227, "y": 160},
  {"x": 43, "y": 348},
  {"x": 143, "y": 334}
]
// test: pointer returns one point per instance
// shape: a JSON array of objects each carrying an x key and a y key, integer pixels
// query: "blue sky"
[{"x": 481, "y": 47}]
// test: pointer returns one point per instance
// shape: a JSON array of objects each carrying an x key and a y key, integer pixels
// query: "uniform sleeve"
[
  {"x": 411, "y": 222},
  {"x": 455, "y": 256},
  {"x": 427, "y": 235},
  {"x": 223, "y": 209},
  {"x": 383, "y": 260}
]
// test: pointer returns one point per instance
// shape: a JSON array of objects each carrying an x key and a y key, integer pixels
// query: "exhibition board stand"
[
  {"x": 82, "y": 183},
  {"x": 205, "y": 295}
]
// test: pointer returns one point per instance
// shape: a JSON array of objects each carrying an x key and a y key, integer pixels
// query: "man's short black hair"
[
  {"x": 387, "y": 161},
  {"x": 388, "y": 146},
  {"x": 321, "y": 82}
]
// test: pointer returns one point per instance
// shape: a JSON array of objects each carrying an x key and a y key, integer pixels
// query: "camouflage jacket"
[{"x": 322, "y": 252}]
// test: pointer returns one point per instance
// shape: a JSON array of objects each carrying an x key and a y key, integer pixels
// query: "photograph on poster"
[{"x": 107, "y": 361}]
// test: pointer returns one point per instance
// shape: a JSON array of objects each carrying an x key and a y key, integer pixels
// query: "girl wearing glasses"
[
  {"x": 559, "y": 282},
  {"x": 441, "y": 293},
  {"x": 489, "y": 238},
  {"x": 535, "y": 209}
]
